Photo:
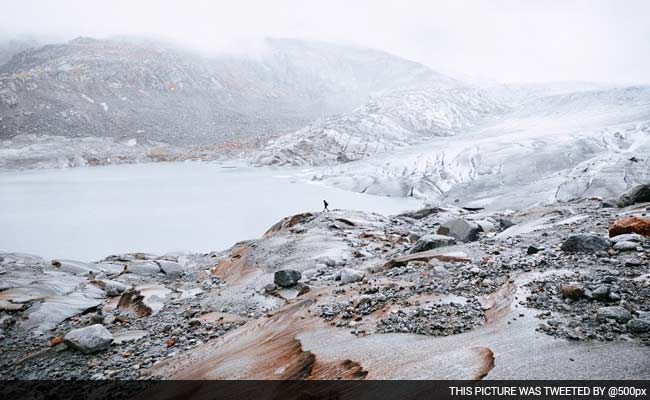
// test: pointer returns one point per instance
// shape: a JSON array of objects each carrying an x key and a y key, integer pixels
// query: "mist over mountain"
[
  {"x": 381, "y": 124},
  {"x": 14, "y": 45},
  {"x": 155, "y": 91}
]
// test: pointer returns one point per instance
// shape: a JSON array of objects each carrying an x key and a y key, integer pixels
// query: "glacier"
[{"x": 498, "y": 147}]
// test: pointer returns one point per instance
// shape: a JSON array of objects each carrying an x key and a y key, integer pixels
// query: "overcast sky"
[{"x": 498, "y": 40}]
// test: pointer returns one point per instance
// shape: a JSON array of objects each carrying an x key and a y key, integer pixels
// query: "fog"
[{"x": 504, "y": 41}]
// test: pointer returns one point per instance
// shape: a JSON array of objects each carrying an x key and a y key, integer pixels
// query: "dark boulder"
[
  {"x": 460, "y": 230},
  {"x": 616, "y": 313},
  {"x": 287, "y": 277},
  {"x": 638, "y": 194},
  {"x": 533, "y": 250},
  {"x": 585, "y": 243},
  {"x": 639, "y": 325},
  {"x": 430, "y": 242}
]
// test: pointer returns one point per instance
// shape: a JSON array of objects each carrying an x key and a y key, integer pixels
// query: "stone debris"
[
  {"x": 435, "y": 320},
  {"x": 553, "y": 273}
]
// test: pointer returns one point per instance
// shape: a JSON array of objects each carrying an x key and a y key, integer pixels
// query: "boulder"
[
  {"x": 144, "y": 268},
  {"x": 638, "y": 194},
  {"x": 460, "y": 230},
  {"x": 90, "y": 339},
  {"x": 430, "y": 242},
  {"x": 423, "y": 213},
  {"x": 617, "y": 313},
  {"x": 639, "y": 325},
  {"x": 625, "y": 246},
  {"x": 636, "y": 225},
  {"x": 601, "y": 293},
  {"x": 572, "y": 291},
  {"x": 170, "y": 268},
  {"x": 633, "y": 262},
  {"x": 533, "y": 250},
  {"x": 628, "y": 237},
  {"x": 585, "y": 243},
  {"x": 286, "y": 277},
  {"x": 349, "y": 275}
]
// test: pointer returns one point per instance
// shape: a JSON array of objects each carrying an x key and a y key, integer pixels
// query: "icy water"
[{"x": 89, "y": 213}]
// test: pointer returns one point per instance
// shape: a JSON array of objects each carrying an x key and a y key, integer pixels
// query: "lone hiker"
[{"x": 325, "y": 203}]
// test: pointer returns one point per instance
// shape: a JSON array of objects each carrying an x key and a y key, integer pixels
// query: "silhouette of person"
[{"x": 326, "y": 204}]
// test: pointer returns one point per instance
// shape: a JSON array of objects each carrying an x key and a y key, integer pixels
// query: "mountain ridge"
[{"x": 92, "y": 87}]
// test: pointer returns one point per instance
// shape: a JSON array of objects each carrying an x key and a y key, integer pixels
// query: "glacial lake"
[{"x": 92, "y": 212}]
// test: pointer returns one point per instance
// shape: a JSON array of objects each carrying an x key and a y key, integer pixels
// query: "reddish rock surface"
[{"x": 630, "y": 225}]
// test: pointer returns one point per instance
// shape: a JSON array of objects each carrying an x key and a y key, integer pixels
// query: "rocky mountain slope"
[
  {"x": 12, "y": 46},
  {"x": 130, "y": 88},
  {"x": 438, "y": 293}
]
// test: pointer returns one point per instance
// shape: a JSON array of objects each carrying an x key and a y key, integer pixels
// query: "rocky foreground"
[{"x": 561, "y": 291}]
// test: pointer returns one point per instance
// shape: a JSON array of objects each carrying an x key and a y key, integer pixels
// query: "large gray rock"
[
  {"x": 625, "y": 246},
  {"x": 429, "y": 242},
  {"x": 286, "y": 277},
  {"x": 585, "y": 243},
  {"x": 639, "y": 325},
  {"x": 638, "y": 194},
  {"x": 170, "y": 268},
  {"x": 349, "y": 275},
  {"x": 628, "y": 237},
  {"x": 601, "y": 293},
  {"x": 144, "y": 268},
  {"x": 617, "y": 313},
  {"x": 90, "y": 339},
  {"x": 460, "y": 230}
]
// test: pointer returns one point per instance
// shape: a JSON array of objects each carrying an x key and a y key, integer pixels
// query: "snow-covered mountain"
[
  {"x": 557, "y": 147},
  {"x": 360, "y": 119},
  {"x": 140, "y": 89},
  {"x": 391, "y": 121}
]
